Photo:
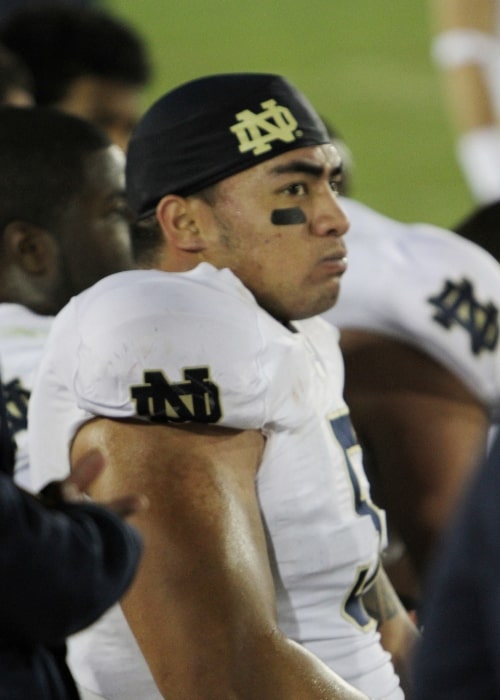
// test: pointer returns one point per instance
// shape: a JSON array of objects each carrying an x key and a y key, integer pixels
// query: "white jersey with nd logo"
[
  {"x": 427, "y": 287},
  {"x": 22, "y": 339},
  {"x": 195, "y": 346}
]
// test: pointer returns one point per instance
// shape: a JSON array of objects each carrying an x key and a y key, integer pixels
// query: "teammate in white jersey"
[
  {"x": 418, "y": 315},
  {"x": 22, "y": 338},
  {"x": 63, "y": 226},
  {"x": 261, "y": 577}
]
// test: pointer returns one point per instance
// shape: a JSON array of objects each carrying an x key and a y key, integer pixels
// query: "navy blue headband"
[{"x": 211, "y": 128}]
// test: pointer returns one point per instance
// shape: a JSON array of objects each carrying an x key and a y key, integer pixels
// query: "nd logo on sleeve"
[
  {"x": 194, "y": 399},
  {"x": 16, "y": 401},
  {"x": 256, "y": 132},
  {"x": 456, "y": 304}
]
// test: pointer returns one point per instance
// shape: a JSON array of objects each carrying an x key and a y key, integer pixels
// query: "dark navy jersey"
[{"x": 459, "y": 657}]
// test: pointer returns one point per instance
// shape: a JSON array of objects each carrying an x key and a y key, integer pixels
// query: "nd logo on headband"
[{"x": 256, "y": 132}]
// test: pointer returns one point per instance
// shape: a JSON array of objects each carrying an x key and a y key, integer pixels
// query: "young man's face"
[
  {"x": 94, "y": 234},
  {"x": 280, "y": 228},
  {"x": 111, "y": 106}
]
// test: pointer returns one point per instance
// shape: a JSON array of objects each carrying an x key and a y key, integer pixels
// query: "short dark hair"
[
  {"x": 42, "y": 153},
  {"x": 146, "y": 234},
  {"x": 60, "y": 43},
  {"x": 147, "y": 240},
  {"x": 13, "y": 74}
]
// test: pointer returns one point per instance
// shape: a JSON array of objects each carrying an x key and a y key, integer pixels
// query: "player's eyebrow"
[{"x": 301, "y": 166}]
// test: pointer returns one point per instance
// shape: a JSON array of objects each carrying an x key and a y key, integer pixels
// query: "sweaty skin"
[{"x": 287, "y": 217}]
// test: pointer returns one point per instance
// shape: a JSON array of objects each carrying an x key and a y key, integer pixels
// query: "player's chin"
[
  {"x": 320, "y": 302},
  {"x": 331, "y": 294},
  {"x": 327, "y": 303}
]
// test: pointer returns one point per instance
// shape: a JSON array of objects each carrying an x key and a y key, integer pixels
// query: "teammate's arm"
[
  {"x": 202, "y": 606},
  {"x": 84, "y": 556},
  {"x": 463, "y": 45},
  {"x": 398, "y": 633},
  {"x": 467, "y": 92}
]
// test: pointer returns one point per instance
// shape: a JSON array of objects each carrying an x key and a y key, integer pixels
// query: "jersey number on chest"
[{"x": 353, "y": 608}]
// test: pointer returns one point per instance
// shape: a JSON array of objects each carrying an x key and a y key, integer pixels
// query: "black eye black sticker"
[{"x": 288, "y": 217}]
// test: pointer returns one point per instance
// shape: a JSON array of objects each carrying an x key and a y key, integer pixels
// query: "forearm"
[
  {"x": 464, "y": 41},
  {"x": 290, "y": 672},
  {"x": 291, "y": 678},
  {"x": 203, "y": 638},
  {"x": 397, "y": 631},
  {"x": 268, "y": 668},
  {"x": 287, "y": 671}
]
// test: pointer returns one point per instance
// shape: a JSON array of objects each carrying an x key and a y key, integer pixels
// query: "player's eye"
[
  {"x": 296, "y": 189},
  {"x": 335, "y": 185}
]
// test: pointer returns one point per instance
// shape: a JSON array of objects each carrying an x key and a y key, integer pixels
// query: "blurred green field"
[{"x": 364, "y": 64}]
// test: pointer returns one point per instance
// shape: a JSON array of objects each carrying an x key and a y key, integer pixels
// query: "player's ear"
[
  {"x": 28, "y": 246},
  {"x": 178, "y": 218}
]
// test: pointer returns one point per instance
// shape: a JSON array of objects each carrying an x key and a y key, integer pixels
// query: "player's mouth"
[{"x": 335, "y": 264}]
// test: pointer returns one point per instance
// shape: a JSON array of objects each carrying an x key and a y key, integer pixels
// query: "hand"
[{"x": 73, "y": 488}]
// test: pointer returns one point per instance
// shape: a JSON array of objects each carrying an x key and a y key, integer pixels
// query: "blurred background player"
[
  {"x": 466, "y": 48},
  {"x": 9, "y": 6},
  {"x": 459, "y": 654},
  {"x": 16, "y": 83},
  {"x": 63, "y": 226},
  {"x": 418, "y": 314},
  {"x": 83, "y": 61}
]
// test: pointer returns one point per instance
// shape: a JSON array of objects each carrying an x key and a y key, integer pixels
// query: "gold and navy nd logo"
[
  {"x": 256, "y": 132},
  {"x": 194, "y": 399}
]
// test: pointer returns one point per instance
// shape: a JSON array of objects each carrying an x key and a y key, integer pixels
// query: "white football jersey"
[
  {"x": 195, "y": 346},
  {"x": 427, "y": 287},
  {"x": 22, "y": 339}
]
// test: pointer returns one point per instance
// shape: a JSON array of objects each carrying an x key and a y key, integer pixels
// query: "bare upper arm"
[
  {"x": 205, "y": 558},
  {"x": 422, "y": 429}
]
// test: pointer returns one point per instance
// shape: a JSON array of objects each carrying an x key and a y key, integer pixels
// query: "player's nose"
[{"x": 331, "y": 218}]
